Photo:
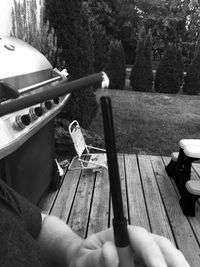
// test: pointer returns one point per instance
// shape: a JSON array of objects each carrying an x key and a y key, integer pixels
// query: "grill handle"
[
  {"x": 60, "y": 75},
  {"x": 51, "y": 92},
  {"x": 37, "y": 85}
]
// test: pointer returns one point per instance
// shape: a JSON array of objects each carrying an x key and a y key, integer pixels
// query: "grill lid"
[{"x": 22, "y": 65}]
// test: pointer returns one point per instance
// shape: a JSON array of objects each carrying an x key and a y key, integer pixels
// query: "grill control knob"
[
  {"x": 56, "y": 100},
  {"x": 22, "y": 121},
  {"x": 35, "y": 112},
  {"x": 48, "y": 105}
]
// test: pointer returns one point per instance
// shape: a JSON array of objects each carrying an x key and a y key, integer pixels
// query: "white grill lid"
[{"x": 19, "y": 58}]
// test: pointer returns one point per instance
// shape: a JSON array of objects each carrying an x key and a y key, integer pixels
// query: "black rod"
[
  {"x": 119, "y": 221},
  {"x": 49, "y": 93}
]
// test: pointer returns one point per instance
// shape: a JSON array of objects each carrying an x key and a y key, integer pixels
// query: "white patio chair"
[{"x": 87, "y": 160}]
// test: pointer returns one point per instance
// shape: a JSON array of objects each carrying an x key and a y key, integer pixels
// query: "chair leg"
[
  {"x": 186, "y": 174},
  {"x": 170, "y": 168},
  {"x": 174, "y": 167},
  {"x": 178, "y": 170},
  {"x": 187, "y": 203},
  {"x": 183, "y": 171},
  {"x": 179, "y": 164}
]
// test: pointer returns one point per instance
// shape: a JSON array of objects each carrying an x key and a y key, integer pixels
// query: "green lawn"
[{"x": 149, "y": 122}]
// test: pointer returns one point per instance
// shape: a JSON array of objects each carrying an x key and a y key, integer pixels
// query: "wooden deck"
[{"x": 150, "y": 200}]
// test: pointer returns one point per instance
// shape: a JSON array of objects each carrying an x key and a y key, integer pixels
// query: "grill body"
[
  {"x": 30, "y": 169},
  {"x": 27, "y": 150}
]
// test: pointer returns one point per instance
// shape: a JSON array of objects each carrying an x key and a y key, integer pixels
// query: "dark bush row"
[
  {"x": 115, "y": 67},
  {"x": 191, "y": 84},
  {"x": 141, "y": 75},
  {"x": 169, "y": 76}
]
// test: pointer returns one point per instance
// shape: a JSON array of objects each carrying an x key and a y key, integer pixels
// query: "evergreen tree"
[
  {"x": 191, "y": 84},
  {"x": 141, "y": 74},
  {"x": 116, "y": 68},
  {"x": 170, "y": 72},
  {"x": 100, "y": 18},
  {"x": 101, "y": 46},
  {"x": 74, "y": 36},
  {"x": 148, "y": 62},
  {"x": 26, "y": 27}
]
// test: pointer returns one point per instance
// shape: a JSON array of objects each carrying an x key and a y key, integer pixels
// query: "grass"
[{"x": 150, "y": 123}]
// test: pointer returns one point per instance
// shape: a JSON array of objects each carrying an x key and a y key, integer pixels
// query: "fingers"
[
  {"x": 110, "y": 255},
  {"x": 103, "y": 257},
  {"x": 173, "y": 256},
  {"x": 145, "y": 248},
  {"x": 155, "y": 250}
]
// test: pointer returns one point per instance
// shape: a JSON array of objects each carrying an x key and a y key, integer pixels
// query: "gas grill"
[{"x": 31, "y": 95}]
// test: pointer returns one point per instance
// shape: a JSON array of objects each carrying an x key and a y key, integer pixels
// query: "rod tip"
[{"x": 105, "y": 81}]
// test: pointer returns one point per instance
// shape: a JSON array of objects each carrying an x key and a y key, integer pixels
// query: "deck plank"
[
  {"x": 181, "y": 228},
  {"x": 158, "y": 218},
  {"x": 100, "y": 205},
  {"x": 136, "y": 202},
  {"x": 79, "y": 215},
  {"x": 64, "y": 200},
  {"x": 122, "y": 174},
  {"x": 46, "y": 202},
  {"x": 150, "y": 197},
  {"x": 121, "y": 165}
]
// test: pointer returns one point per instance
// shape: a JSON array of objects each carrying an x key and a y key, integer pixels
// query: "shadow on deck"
[{"x": 150, "y": 200}]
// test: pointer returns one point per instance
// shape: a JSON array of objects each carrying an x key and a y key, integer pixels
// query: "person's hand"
[{"x": 148, "y": 250}]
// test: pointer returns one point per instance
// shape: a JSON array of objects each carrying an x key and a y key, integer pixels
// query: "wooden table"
[{"x": 150, "y": 197}]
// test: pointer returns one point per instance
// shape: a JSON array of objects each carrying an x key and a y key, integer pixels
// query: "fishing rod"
[
  {"x": 119, "y": 221},
  {"x": 49, "y": 93}
]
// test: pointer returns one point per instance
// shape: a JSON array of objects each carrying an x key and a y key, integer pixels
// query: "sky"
[{"x": 5, "y": 16}]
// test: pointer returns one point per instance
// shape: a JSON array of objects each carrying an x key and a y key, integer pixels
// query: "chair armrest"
[{"x": 96, "y": 148}]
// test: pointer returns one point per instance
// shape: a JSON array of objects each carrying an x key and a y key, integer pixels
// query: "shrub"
[
  {"x": 170, "y": 72},
  {"x": 141, "y": 74},
  {"x": 192, "y": 79},
  {"x": 101, "y": 39},
  {"x": 75, "y": 39},
  {"x": 116, "y": 69}
]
